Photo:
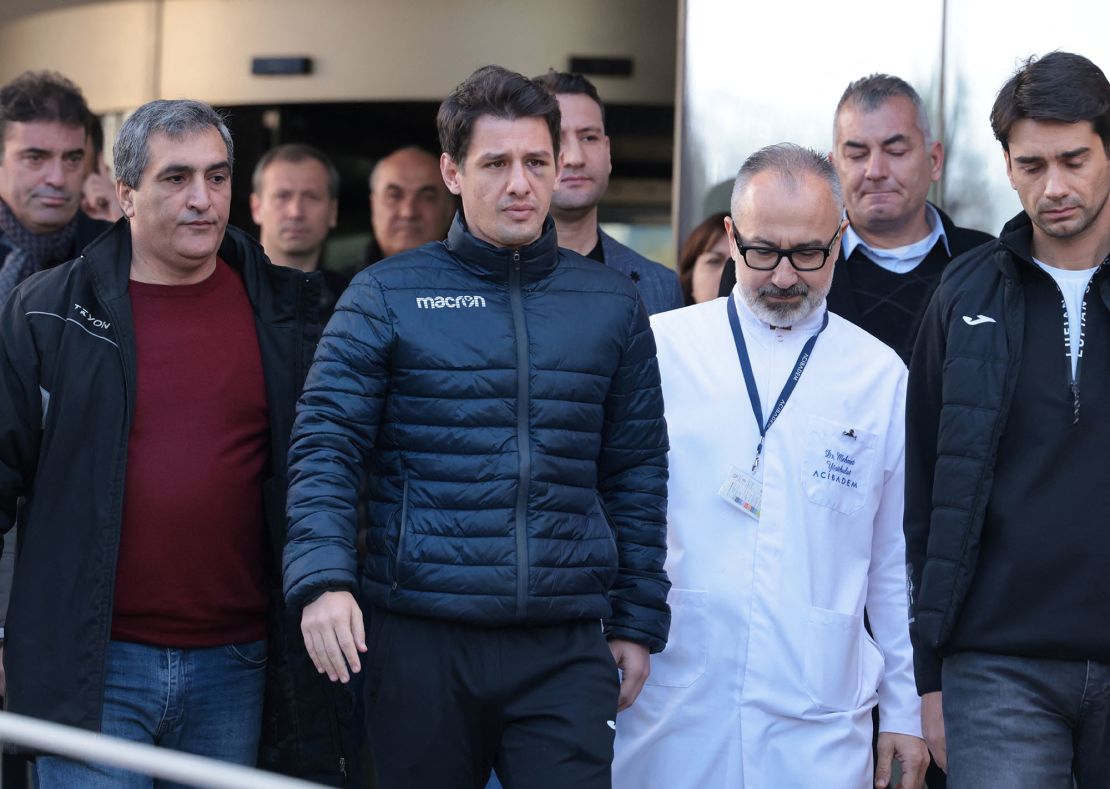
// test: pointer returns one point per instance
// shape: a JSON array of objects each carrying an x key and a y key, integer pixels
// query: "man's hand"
[
  {"x": 910, "y": 751},
  {"x": 634, "y": 661},
  {"x": 334, "y": 634},
  {"x": 932, "y": 726}
]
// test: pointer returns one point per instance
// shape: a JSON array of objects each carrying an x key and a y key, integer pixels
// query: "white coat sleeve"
[{"x": 887, "y": 602}]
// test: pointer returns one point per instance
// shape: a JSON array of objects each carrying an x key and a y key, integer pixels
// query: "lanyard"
[{"x": 749, "y": 376}]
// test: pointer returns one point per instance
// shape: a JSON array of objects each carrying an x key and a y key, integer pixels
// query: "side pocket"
[
  {"x": 251, "y": 654},
  {"x": 612, "y": 527},
  {"x": 683, "y": 662},
  {"x": 834, "y": 660},
  {"x": 402, "y": 531}
]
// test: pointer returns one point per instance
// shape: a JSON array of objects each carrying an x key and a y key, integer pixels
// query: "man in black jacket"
[
  {"x": 897, "y": 243},
  {"x": 517, "y": 462},
  {"x": 1006, "y": 496},
  {"x": 146, "y": 397}
]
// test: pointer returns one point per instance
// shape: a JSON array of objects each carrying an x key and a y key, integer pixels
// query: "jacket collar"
[
  {"x": 1016, "y": 238},
  {"x": 537, "y": 259}
]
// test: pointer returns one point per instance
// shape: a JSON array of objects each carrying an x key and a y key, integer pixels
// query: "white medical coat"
[{"x": 769, "y": 677}]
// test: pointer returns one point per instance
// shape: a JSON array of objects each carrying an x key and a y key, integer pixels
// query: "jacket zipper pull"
[{"x": 1075, "y": 403}]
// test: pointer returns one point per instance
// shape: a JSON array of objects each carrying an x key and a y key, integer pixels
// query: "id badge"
[{"x": 743, "y": 491}]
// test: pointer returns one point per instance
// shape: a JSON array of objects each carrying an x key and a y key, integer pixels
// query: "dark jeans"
[
  {"x": 446, "y": 702},
  {"x": 1026, "y": 723},
  {"x": 206, "y": 701}
]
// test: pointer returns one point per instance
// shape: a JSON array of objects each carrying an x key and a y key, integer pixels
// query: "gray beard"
[{"x": 776, "y": 314}]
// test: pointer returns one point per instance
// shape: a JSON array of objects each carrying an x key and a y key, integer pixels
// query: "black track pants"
[{"x": 446, "y": 702}]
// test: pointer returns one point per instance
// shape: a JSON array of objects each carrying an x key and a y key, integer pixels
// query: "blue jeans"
[
  {"x": 1026, "y": 723},
  {"x": 204, "y": 701}
]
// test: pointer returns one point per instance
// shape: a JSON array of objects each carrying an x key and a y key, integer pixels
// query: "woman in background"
[{"x": 702, "y": 258}]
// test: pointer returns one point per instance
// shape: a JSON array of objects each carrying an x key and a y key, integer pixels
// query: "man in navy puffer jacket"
[{"x": 504, "y": 396}]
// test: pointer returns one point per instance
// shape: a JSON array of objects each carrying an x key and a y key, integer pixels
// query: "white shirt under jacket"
[{"x": 769, "y": 677}]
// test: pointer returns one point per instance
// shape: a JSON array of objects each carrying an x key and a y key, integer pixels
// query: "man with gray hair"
[
  {"x": 897, "y": 243},
  {"x": 786, "y": 425},
  {"x": 146, "y": 397}
]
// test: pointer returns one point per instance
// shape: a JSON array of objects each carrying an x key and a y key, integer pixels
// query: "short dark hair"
[
  {"x": 175, "y": 118},
  {"x": 873, "y": 91},
  {"x": 700, "y": 240},
  {"x": 42, "y": 97},
  {"x": 556, "y": 82},
  {"x": 496, "y": 91},
  {"x": 295, "y": 152},
  {"x": 1061, "y": 86}
]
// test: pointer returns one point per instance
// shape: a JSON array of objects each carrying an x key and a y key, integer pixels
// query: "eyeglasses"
[{"x": 801, "y": 258}]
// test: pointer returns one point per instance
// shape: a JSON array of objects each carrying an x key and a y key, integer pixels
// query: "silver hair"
[
  {"x": 788, "y": 160},
  {"x": 174, "y": 118},
  {"x": 873, "y": 91}
]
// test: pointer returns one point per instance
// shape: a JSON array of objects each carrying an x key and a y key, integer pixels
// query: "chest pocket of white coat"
[
  {"x": 837, "y": 464},
  {"x": 687, "y": 653}
]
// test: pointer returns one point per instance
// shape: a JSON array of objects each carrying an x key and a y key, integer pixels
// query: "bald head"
[{"x": 409, "y": 203}]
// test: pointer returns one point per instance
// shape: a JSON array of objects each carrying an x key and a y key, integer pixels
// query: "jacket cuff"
[
  {"x": 615, "y": 631},
  {"x": 926, "y": 670}
]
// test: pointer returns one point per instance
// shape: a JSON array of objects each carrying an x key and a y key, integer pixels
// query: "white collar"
[{"x": 916, "y": 249}]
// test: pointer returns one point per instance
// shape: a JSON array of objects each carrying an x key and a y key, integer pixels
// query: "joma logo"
[
  {"x": 450, "y": 302},
  {"x": 84, "y": 313}
]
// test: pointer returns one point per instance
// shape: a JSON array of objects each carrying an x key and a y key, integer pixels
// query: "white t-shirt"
[{"x": 1072, "y": 285}]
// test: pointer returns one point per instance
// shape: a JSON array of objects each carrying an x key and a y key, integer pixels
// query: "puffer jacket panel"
[{"x": 418, "y": 374}]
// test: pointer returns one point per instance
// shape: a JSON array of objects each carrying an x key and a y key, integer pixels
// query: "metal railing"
[{"x": 183, "y": 768}]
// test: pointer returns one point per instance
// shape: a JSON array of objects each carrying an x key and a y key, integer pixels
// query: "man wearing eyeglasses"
[{"x": 784, "y": 520}]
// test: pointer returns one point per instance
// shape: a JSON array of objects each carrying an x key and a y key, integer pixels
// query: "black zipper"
[
  {"x": 126, "y": 355},
  {"x": 402, "y": 533},
  {"x": 520, "y": 332}
]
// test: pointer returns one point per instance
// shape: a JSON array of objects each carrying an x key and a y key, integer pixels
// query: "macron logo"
[
  {"x": 978, "y": 319},
  {"x": 448, "y": 302}
]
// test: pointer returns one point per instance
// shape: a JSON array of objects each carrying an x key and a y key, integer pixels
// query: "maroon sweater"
[{"x": 190, "y": 571}]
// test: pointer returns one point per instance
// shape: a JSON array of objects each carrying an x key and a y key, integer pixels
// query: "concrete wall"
[{"x": 126, "y": 52}]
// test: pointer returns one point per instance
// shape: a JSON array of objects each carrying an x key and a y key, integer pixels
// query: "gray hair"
[
  {"x": 788, "y": 160},
  {"x": 872, "y": 92},
  {"x": 176, "y": 118}
]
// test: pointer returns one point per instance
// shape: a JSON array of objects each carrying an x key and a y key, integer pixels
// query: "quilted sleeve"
[
  {"x": 335, "y": 428},
  {"x": 632, "y": 481}
]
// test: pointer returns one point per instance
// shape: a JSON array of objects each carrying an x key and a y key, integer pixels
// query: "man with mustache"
[
  {"x": 582, "y": 185},
  {"x": 784, "y": 522},
  {"x": 1008, "y": 422},
  {"x": 516, "y": 456}
]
